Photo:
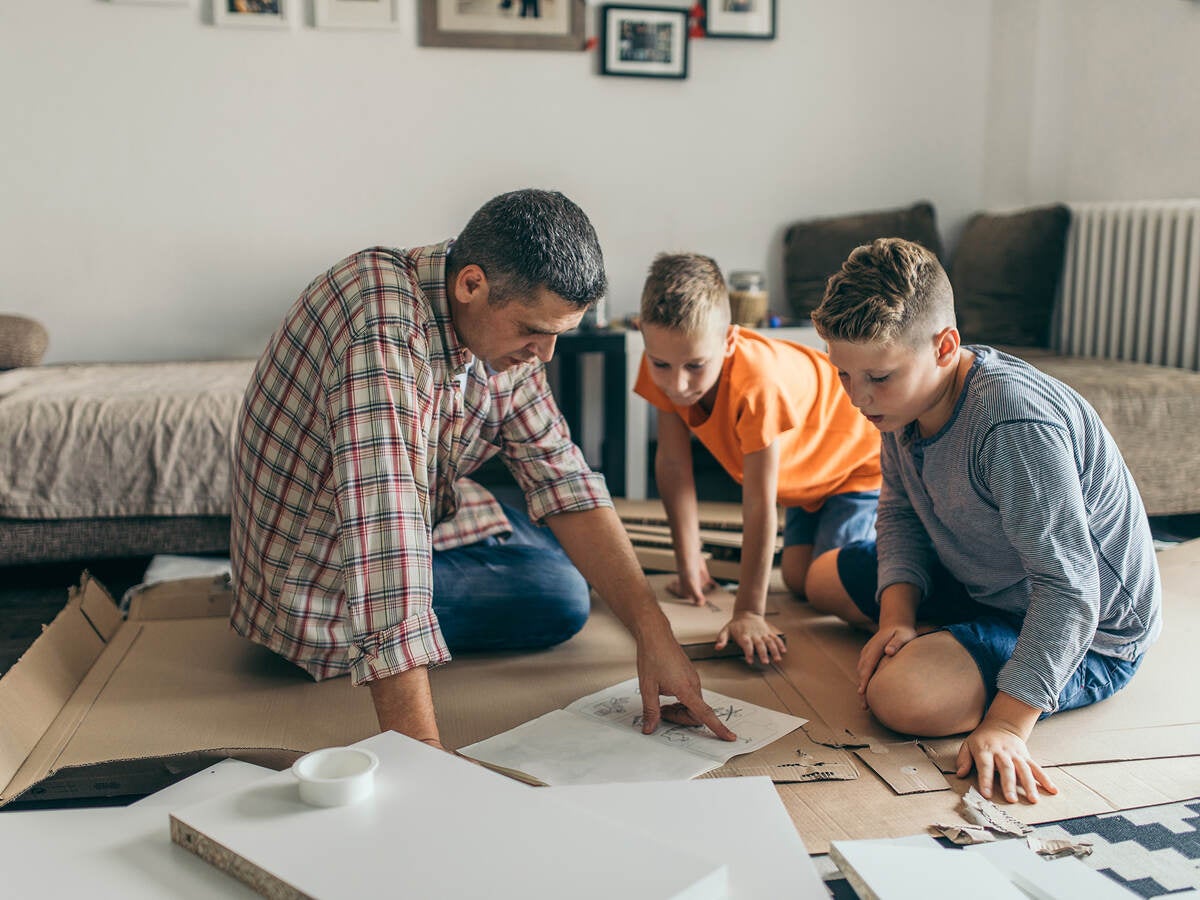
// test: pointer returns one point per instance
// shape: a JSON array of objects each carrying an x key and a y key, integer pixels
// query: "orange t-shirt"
[{"x": 778, "y": 390}]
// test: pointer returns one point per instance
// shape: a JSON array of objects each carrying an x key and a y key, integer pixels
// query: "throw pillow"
[
  {"x": 23, "y": 342},
  {"x": 815, "y": 249},
  {"x": 1005, "y": 275}
]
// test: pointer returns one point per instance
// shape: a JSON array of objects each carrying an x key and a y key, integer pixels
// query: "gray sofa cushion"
[
  {"x": 1153, "y": 413},
  {"x": 1005, "y": 275},
  {"x": 815, "y": 249},
  {"x": 23, "y": 342}
]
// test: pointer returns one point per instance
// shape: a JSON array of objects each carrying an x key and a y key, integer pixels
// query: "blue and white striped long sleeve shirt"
[{"x": 1024, "y": 498}]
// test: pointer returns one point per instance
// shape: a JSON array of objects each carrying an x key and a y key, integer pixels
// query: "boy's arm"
[
  {"x": 677, "y": 487},
  {"x": 760, "y": 522}
]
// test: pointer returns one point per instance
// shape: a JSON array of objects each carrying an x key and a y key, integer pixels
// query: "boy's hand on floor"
[
  {"x": 757, "y": 639},
  {"x": 999, "y": 751},
  {"x": 693, "y": 586},
  {"x": 887, "y": 641}
]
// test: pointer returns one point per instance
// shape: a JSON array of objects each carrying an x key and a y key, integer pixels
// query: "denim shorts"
[
  {"x": 988, "y": 634},
  {"x": 842, "y": 519}
]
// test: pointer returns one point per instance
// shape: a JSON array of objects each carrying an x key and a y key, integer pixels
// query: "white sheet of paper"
[
  {"x": 598, "y": 739},
  {"x": 117, "y": 851},
  {"x": 740, "y": 820}
]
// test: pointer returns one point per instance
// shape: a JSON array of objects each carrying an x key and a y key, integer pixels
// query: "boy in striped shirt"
[{"x": 1007, "y": 518}]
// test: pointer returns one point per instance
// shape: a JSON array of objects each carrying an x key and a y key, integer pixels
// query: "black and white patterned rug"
[{"x": 1152, "y": 852}]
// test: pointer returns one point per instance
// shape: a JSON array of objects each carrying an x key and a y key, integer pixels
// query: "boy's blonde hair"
[
  {"x": 888, "y": 291},
  {"x": 685, "y": 292}
]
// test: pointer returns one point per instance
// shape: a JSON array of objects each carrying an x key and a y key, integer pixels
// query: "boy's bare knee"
[{"x": 911, "y": 696}]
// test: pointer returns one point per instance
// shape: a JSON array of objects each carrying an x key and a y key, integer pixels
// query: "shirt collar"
[{"x": 430, "y": 265}]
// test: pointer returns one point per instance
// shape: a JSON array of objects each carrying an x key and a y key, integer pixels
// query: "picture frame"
[
  {"x": 374, "y": 14},
  {"x": 643, "y": 41},
  {"x": 502, "y": 24},
  {"x": 754, "y": 19},
  {"x": 253, "y": 13}
]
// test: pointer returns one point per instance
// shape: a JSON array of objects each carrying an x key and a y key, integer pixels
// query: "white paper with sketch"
[{"x": 598, "y": 739}]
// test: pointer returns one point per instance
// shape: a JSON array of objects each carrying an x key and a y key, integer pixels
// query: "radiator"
[{"x": 1131, "y": 283}]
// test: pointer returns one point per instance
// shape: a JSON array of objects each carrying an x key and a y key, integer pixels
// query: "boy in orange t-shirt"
[{"x": 773, "y": 413}]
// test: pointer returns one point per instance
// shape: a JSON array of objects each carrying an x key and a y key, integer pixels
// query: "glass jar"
[{"x": 747, "y": 298}]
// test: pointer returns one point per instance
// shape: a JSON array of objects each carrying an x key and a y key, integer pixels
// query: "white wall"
[
  {"x": 168, "y": 187},
  {"x": 1114, "y": 111}
]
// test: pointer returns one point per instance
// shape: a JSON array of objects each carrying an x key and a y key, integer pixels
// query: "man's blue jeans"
[{"x": 514, "y": 593}]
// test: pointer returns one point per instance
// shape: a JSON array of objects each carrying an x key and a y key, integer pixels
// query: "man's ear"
[
  {"x": 730, "y": 337},
  {"x": 946, "y": 342},
  {"x": 470, "y": 284}
]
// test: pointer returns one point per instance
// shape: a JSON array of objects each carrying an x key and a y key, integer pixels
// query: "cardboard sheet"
[{"x": 101, "y": 707}]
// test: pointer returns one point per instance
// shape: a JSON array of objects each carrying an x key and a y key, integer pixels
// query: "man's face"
[
  {"x": 891, "y": 384},
  {"x": 685, "y": 367},
  {"x": 512, "y": 333}
]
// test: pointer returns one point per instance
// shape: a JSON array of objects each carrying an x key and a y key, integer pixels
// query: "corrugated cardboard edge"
[
  {"x": 40, "y": 685},
  {"x": 184, "y": 598}
]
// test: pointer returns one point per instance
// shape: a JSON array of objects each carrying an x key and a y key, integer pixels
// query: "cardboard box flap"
[
  {"x": 163, "y": 689},
  {"x": 37, "y": 688},
  {"x": 183, "y": 598}
]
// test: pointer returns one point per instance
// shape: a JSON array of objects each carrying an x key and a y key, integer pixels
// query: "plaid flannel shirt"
[{"x": 358, "y": 426}]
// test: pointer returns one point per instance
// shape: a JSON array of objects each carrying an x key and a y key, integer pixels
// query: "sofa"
[
  {"x": 1006, "y": 272},
  {"x": 112, "y": 460}
]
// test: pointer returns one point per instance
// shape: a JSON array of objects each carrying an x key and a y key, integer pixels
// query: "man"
[{"x": 358, "y": 544}]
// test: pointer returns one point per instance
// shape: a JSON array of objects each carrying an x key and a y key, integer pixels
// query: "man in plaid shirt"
[{"x": 358, "y": 543}]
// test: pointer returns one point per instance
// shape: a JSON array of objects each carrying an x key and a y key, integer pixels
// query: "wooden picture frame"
[
  {"x": 754, "y": 19},
  {"x": 253, "y": 13},
  {"x": 643, "y": 41},
  {"x": 373, "y": 14},
  {"x": 502, "y": 24}
]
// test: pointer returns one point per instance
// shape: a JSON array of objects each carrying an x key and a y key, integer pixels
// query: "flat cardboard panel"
[
  {"x": 718, "y": 516},
  {"x": 185, "y": 598},
  {"x": 905, "y": 767}
]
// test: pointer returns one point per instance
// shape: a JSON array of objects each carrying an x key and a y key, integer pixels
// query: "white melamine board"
[
  {"x": 891, "y": 870},
  {"x": 121, "y": 852},
  {"x": 439, "y": 826},
  {"x": 740, "y": 820},
  {"x": 1049, "y": 879}
]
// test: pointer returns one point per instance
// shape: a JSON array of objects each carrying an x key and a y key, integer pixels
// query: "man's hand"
[
  {"x": 692, "y": 586},
  {"x": 887, "y": 641},
  {"x": 997, "y": 748},
  {"x": 663, "y": 668},
  {"x": 757, "y": 639}
]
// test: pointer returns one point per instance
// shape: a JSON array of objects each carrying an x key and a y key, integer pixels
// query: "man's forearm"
[{"x": 404, "y": 703}]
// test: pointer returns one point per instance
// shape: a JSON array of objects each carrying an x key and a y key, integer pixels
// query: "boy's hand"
[
  {"x": 887, "y": 641},
  {"x": 750, "y": 631},
  {"x": 997, "y": 750},
  {"x": 693, "y": 586}
]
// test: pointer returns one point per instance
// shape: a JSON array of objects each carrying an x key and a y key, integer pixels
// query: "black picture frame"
[
  {"x": 511, "y": 31},
  {"x": 755, "y": 22},
  {"x": 643, "y": 41}
]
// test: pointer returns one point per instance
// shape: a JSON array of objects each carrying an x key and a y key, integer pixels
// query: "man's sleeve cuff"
[
  {"x": 417, "y": 641},
  {"x": 587, "y": 490}
]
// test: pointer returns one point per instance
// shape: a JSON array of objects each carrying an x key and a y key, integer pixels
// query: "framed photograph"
[
  {"x": 643, "y": 41},
  {"x": 253, "y": 13},
  {"x": 740, "y": 19},
  {"x": 356, "y": 13},
  {"x": 504, "y": 24}
]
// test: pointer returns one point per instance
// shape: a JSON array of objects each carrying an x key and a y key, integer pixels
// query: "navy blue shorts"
[
  {"x": 988, "y": 634},
  {"x": 842, "y": 519}
]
